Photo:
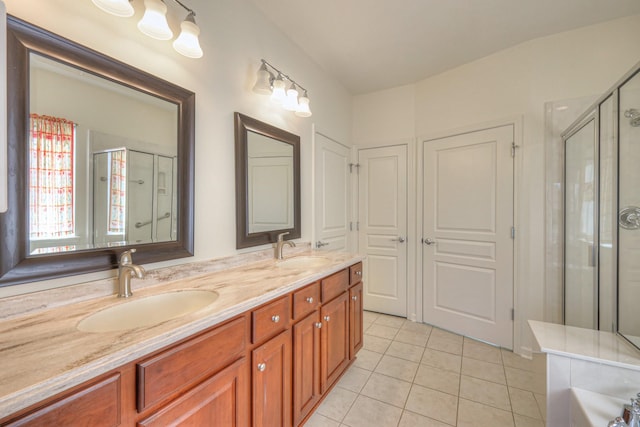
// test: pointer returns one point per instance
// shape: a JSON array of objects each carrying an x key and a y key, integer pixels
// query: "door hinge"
[
  {"x": 354, "y": 165},
  {"x": 357, "y": 225},
  {"x": 350, "y": 225},
  {"x": 513, "y": 314},
  {"x": 513, "y": 232},
  {"x": 513, "y": 149}
]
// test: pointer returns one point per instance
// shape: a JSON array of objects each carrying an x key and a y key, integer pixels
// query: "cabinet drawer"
[
  {"x": 186, "y": 364},
  {"x": 306, "y": 300},
  {"x": 98, "y": 404},
  {"x": 355, "y": 274},
  {"x": 334, "y": 285},
  {"x": 270, "y": 319}
]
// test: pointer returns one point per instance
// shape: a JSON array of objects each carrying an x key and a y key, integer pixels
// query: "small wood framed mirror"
[{"x": 267, "y": 182}]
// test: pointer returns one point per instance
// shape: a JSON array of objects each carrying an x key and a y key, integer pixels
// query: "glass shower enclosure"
[{"x": 602, "y": 213}]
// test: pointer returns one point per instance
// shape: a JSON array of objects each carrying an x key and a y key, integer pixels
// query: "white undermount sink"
[
  {"x": 304, "y": 262},
  {"x": 147, "y": 311}
]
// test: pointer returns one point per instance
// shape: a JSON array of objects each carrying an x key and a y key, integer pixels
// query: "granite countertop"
[{"x": 43, "y": 353}]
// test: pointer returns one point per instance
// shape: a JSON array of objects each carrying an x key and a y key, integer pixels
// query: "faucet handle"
[
  {"x": 617, "y": 422},
  {"x": 126, "y": 257},
  {"x": 281, "y": 236}
]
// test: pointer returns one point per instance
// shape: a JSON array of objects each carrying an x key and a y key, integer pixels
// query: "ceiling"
[{"x": 370, "y": 45}]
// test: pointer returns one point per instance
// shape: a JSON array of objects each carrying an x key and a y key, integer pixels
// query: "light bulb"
[
  {"x": 154, "y": 21},
  {"x": 291, "y": 102},
  {"x": 187, "y": 42},
  {"x": 303, "y": 106},
  {"x": 263, "y": 81},
  {"x": 120, "y": 8},
  {"x": 278, "y": 95}
]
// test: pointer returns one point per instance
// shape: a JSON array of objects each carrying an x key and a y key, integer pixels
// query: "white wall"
[
  {"x": 234, "y": 37},
  {"x": 514, "y": 82}
]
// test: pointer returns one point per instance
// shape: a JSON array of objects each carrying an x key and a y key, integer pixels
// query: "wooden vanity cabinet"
[
  {"x": 220, "y": 401},
  {"x": 271, "y": 382},
  {"x": 355, "y": 309},
  {"x": 270, "y": 366},
  {"x": 306, "y": 366},
  {"x": 180, "y": 367},
  {"x": 96, "y": 403},
  {"x": 355, "y": 320},
  {"x": 203, "y": 380},
  {"x": 334, "y": 340},
  {"x": 270, "y": 319}
]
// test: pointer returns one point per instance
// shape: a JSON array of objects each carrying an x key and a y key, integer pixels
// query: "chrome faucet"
[
  {"x": 126, "y": 268},
  {"x": 277, "y": 249}
]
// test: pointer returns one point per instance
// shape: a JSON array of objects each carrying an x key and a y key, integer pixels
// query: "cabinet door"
[
  {"x": 334, "y": 340},
  {"x": 271, "y": 366},
  {"x": 355, "y": 319},
  {"x": 220, "y": 401},
  {"x": 306, "y": 366}
]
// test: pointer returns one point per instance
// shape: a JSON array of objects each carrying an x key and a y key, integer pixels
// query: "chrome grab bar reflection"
[{"x": 142, "y": 224}]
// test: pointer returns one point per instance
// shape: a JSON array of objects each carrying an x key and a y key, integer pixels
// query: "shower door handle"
[{"x": 593, "y": 255}]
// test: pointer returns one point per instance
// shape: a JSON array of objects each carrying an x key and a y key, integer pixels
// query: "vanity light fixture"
[
  {"x": 303, "y": 106},
  {"x": 279, "y": 94},
  {"x": 273, "y": 83},
  {"x": 187, "y": 42},
  {"x": 263, "y": 82},
  {"x": 291, "y": 101},
  {"x": 120, "y": 8},
  {"x": 154, "y": 23}
]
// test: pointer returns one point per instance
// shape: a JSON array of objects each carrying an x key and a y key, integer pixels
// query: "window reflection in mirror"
[{"x": 102, "y": 162}]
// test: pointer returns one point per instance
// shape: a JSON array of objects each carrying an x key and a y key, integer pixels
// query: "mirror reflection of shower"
[{"x": 134, "y": 197}]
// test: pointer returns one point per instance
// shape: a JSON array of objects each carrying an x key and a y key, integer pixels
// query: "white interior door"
[
  {"x": 382, "y": 213},
  {"x": 332, "y": 194},
  {"x": 467, "y": 223}
]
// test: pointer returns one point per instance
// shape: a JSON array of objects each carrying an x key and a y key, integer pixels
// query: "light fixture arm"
[
  {"x": 185, "y": 7},
  {"x": 278, "y": 72}
]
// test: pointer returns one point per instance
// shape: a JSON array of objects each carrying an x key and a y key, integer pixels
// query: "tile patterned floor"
[{"x": 415, "y": 375}]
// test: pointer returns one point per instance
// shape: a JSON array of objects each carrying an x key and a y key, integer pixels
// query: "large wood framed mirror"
[
  {"x": 100, "y": 160},
  {"x": 267, "y": 182}
]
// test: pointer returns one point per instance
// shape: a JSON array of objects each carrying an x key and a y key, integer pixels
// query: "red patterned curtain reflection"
[{"x": 51, "y": 193}]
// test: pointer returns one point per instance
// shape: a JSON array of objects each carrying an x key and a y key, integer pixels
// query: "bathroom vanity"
[{"x": 265, "y": 353}]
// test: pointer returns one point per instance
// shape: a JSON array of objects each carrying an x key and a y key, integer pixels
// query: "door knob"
[
  {"x": 399, "y": 239},
  {"x": 327, "y": 318},
  {"x": 275, "y": 319},
  {"x": 310, "y": 300},
  {"x": 262, "y": 367},
  {"x": 429, "y": 241},
  {"x": 355, "y": 298},
  {"x": 318, "y": 325}
]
